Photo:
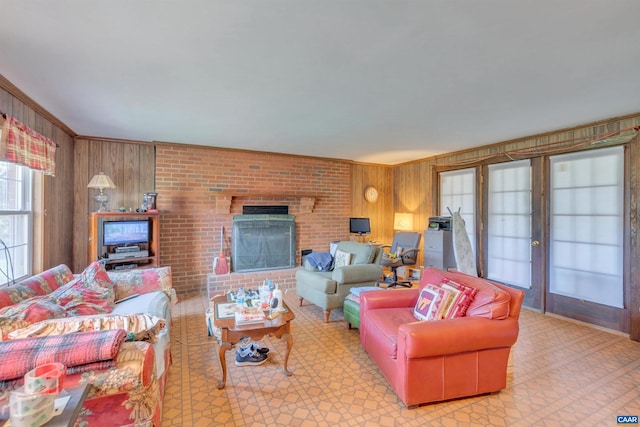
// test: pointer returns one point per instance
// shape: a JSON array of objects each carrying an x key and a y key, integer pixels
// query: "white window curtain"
[
  {"x": 587, "y": 225},
  {"x": 458, "y": 191},
  {"x": 509, "y": 223}
]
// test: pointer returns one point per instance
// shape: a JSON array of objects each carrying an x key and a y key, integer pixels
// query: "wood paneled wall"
[
  {"x": 381, "y": 212},
  {"x": 413, "y": 182},
  {"x": 53, "y": 204},
  {"x": 131, "y": 166}
]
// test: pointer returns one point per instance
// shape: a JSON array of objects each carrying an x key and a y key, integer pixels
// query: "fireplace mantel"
[{"x": 224, "y": 200}]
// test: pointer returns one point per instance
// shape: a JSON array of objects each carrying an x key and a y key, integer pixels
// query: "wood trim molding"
[{"x": 13, "y": 90}]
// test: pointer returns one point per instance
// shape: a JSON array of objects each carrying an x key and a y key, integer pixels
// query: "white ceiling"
[{"x": 380, "y": 81}]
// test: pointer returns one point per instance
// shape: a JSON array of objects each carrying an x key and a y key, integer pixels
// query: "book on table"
[{"x": 249, "y": 315}]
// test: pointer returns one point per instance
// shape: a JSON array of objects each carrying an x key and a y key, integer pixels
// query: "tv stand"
[{"x": 124, "y": 257}]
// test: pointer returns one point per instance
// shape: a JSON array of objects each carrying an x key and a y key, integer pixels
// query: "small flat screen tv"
[
  {"x": 123, "y": 233},
  {"x": 359, "y": 226}
]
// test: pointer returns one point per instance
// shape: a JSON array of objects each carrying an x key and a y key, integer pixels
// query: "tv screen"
[
  {"x": 122, "y": 233},
  {"x": 359, "y": 226}
]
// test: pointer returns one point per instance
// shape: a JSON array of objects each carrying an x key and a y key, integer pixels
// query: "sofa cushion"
[
  {"x": 387, "y": 321},
  {"x": 431, "y": 303},
  {"x": 142, "y": 281},
  {"x": 27, "y": 312},
  {"x": 133, "y": 323},
  {"x": 40, "y": 284},
  {"x": 490, "y": 302}
]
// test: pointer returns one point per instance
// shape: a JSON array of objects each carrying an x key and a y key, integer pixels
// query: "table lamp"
[
  {"x": 101, "y": 182},
  {"x": 403, "y": 221}
]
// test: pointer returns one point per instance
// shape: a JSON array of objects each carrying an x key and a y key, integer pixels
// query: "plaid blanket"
[{"x": 20, "y": 356}]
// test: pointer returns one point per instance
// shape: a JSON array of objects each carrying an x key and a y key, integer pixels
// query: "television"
[
  {"x": 125, "y": 232},
  {"x": 359, "y": 226}
]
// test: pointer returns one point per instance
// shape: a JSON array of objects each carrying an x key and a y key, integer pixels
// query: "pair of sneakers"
[{"x": 250, "y": 353}]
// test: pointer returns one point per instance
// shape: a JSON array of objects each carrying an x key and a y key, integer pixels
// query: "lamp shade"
[
  {"x": 403, "y": 221},
  {"x": 101, "y": 181}
]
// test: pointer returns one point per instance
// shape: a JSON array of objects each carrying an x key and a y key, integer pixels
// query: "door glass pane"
[
  {"x": 458, "y": 191},
  {"x": 587, "y": 224},
  {"x": 509, "y": 223}
]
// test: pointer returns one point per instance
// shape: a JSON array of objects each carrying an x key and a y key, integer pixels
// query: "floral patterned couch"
[{"x": 110, "y": 329}]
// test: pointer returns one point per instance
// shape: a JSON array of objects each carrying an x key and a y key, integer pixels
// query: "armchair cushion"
[
  {"x": 356, "y": 273},
  {"x": 362, "y": 253}
]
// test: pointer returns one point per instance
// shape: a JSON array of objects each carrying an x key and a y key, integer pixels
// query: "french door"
[
  {"x": 555, "y": 229},
  {"x": 586, "y": 237},
  {"x": 511, "y": 240}
]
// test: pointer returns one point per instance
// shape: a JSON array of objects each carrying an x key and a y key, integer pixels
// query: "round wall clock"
[{"x": 371, "y": 194}]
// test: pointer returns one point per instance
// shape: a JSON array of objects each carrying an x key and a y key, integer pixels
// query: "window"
[
  {"x": 458, "y": 191},
  {"x": 587, "y": 225},
  {"x": 509, "y": 228},
  {"x": 16, "y": 218}
]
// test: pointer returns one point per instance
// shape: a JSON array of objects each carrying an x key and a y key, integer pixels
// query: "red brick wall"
[{"x": 189, "y": 177}]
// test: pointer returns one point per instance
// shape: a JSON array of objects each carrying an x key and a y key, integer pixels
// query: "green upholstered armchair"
[{"x": 328, "y": 289}]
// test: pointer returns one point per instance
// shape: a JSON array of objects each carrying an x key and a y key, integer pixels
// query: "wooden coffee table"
[{"x": 232, "y": 333}]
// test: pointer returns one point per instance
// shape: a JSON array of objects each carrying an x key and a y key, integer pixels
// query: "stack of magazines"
[{"x": 249, "y": 315}]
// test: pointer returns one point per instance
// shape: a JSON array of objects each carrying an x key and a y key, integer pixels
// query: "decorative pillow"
[
  {"x": 490, "y": 302},
  {"x": 96, "y": 277},
  {"x": 463, "y": 297},
  {"x": 431, "y": 301},
  {"x": 27, "y": 312},
  {"x": 90, "y": 293},
  {"x": 134, "y": 323},
  {"x": 342, "y": 258},
  {"x": 134, "y": 282}
]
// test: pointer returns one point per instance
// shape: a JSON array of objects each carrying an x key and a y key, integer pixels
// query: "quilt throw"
[{"x": 20, "y": 356}]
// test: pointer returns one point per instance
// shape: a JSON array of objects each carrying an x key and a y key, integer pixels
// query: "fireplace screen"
[{"x": 263, "y": 242}]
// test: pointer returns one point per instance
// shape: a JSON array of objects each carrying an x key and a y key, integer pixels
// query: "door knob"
[{"x": 535, "y": 243}]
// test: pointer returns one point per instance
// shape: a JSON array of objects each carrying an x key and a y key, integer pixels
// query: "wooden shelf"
[
  {"x": 224, "y": 200},
  {"x": 270, "y": 195}
]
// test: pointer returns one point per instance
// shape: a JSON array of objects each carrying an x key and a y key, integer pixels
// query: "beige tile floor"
[{"x": 562, "y": 374}]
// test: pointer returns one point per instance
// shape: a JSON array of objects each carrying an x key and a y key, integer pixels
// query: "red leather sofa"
[{"x": 437, "y": 360}]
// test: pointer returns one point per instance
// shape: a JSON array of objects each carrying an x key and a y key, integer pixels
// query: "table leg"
[
  {"x": 288, "y": 338},
  {"x": 223, "y": 363}
]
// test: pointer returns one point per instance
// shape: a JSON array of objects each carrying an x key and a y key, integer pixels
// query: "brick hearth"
[{"x": 222, "y": 283}]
